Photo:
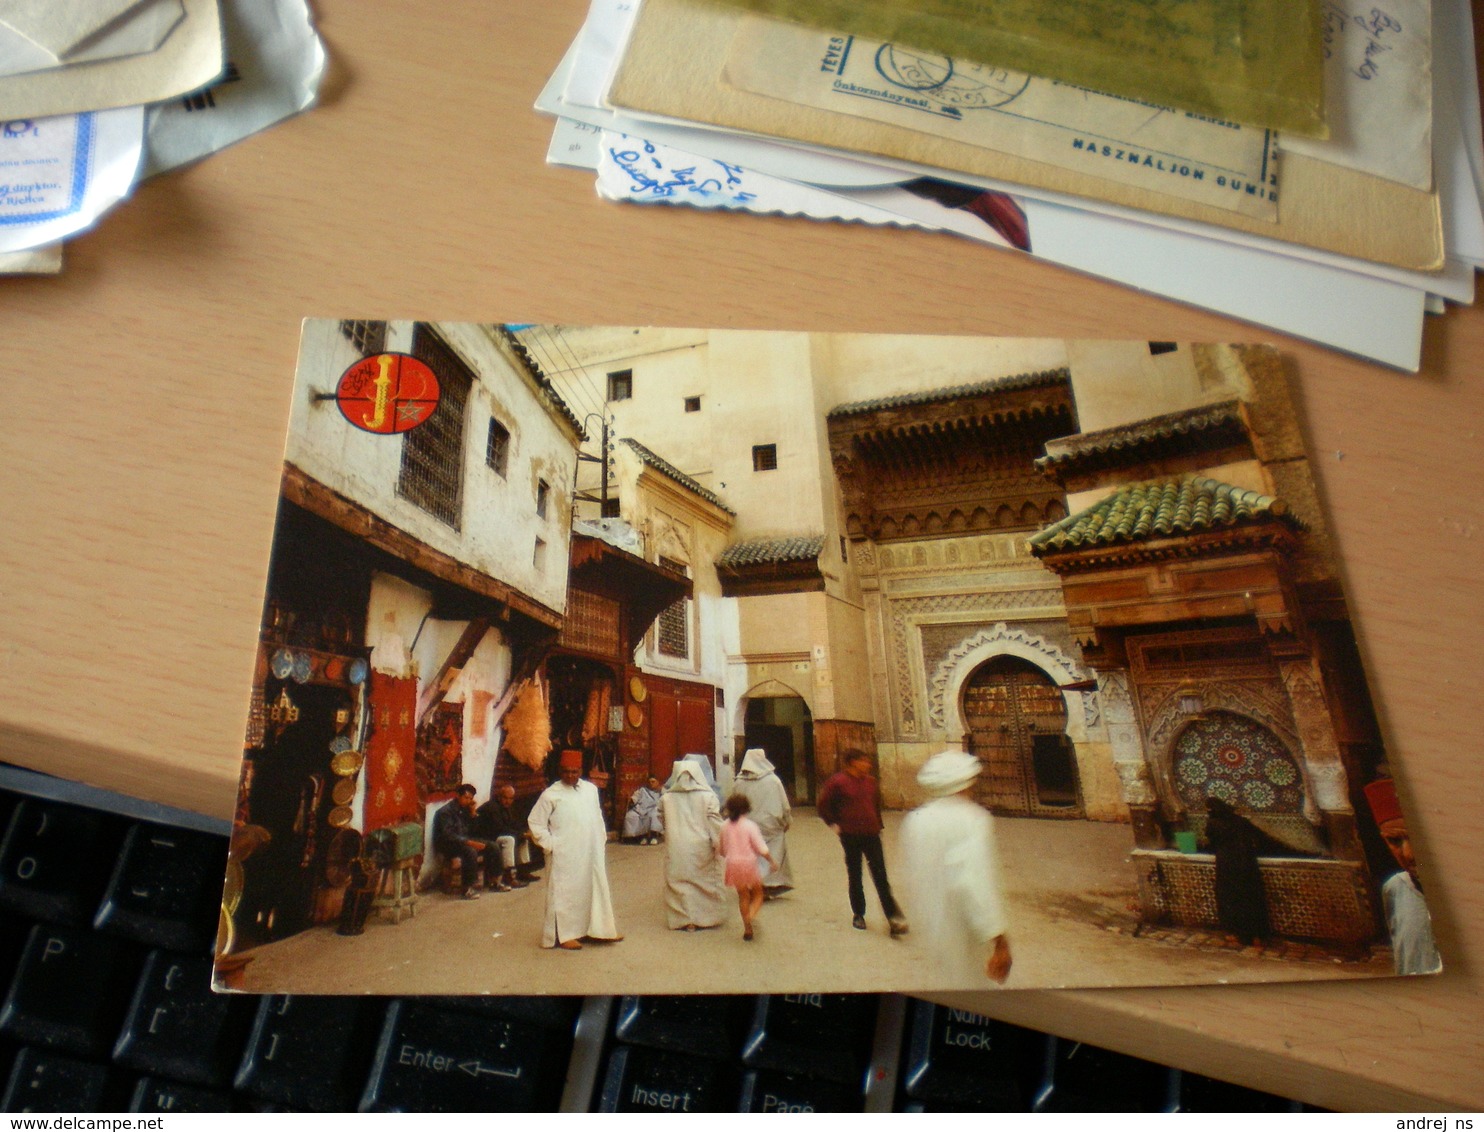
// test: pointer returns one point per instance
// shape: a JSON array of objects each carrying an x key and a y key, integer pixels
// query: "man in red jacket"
[{"x": 850, "y": 804}]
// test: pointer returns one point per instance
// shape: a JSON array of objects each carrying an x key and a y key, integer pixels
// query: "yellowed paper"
[
  {"x": 1254, "y": 61},
  {"x": 1378, "y": 90},
  {"x": 677, "y": 55},
  {"x": 188, "y": 59},
  {"x": 1166, "y": 151},
  {"x": 33, "y": 261}
]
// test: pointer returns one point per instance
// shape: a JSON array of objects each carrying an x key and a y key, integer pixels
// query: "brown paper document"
[
  {"x": 676, "y": 61},
  {"x": 1168, "y": 151},
  {"x": 1253, "y": 61}
]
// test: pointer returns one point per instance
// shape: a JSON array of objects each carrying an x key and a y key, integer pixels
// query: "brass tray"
[{"x": 347, "y": 762}]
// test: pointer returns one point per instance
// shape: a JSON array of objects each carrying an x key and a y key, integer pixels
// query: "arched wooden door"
[{"x": 1018, "y": 729}]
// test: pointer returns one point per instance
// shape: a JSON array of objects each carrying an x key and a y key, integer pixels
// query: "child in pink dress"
[{"x": 741, "y": 845}]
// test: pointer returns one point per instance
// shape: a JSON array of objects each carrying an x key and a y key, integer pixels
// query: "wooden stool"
[{"x": 398, "y": 892}]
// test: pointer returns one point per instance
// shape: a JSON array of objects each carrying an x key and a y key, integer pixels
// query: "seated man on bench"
[
  {"x": 498, "y": 822},
  {"x": 454, "y": 838}
]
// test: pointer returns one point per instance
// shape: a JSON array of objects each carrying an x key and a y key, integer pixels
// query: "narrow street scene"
[
  {"x": 1071, "y": 915},
  {"x": 1036, "y": 649}
]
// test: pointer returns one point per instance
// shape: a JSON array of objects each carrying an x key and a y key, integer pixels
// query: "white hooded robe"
[
  {"x": 694, "y": 892},
  {"x": 954, "y": 890},
  {"x": 759, "y": 783},
  {"x": 567, "y": 822}
]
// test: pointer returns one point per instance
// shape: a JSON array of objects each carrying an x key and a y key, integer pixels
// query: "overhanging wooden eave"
[{"x": 303, "y": 490}]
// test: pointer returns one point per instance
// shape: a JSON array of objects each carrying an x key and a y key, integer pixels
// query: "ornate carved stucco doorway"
[{"x": 1017, "y": 721}]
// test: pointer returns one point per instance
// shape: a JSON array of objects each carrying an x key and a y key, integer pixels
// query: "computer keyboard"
[{"x": 108, "y": 915}]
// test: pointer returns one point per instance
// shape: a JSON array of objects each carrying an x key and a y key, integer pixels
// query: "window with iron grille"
[
  {"x": 497, "y": 447},
  {"x": 610, "y": 507},
  {"x": 674, "y": 623},
  {"x": 764, "y": 457},
  {"x": 621, "y": 385},
  {"x": 366, "y": 336},
  {"x": 433, "y": 453}
]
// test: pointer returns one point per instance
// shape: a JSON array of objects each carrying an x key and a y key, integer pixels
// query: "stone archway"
[{"x": 946, "y": 687}]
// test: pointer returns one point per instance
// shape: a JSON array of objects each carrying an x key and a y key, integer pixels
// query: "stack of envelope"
[
  {"x": 1345, "y": 241},
  {"x": 94, "y": 96}
]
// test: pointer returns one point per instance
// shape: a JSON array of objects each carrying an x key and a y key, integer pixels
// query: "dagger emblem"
[{"x": 383, "y": 383}]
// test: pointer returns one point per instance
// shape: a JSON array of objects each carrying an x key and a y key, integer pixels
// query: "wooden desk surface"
[{"x": 146, "y": 391}]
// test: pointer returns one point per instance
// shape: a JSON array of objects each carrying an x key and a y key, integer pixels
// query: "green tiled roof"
[
  {"x": 1136, "y": 438},
  {"x": 767, "y": 551},
  {"x": 1159, "y": 509},
  {"x": 954, "y": 392},
  {"x": 660, "y": 464}
]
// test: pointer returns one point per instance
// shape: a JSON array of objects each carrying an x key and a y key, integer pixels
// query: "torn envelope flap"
[
  {"x": 60, "y": 28},
  {"x": 140, "y": 30},
  {"x": 275, "y": 61}
]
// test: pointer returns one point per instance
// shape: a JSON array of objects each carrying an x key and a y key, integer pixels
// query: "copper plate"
[
  {"x": 340, "y": 817},
  {"x": 636, "y": 715},
  {"x": 343, "y": 791},
  {"x": 346, "y": 762}
]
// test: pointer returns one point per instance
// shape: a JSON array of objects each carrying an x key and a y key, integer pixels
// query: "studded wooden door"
[{"x": 1017, "y": 727}]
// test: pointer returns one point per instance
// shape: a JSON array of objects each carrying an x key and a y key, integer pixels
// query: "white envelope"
[{"x": 140, "y": 29}]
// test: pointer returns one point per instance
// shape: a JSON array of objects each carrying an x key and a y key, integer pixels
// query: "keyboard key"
[
  {"x": 654, "y": 1080},
  {"x": 764, "y": 1091},
  {"x": 709, "y": 1025},
  {"x": 817, "y": 1035},
  {"x": 177, "y": 1027},
  {"x": 973, "y": 1062},
  {"x": 70, "y": 991},
  {"x": 434, "y": 1059},
  {"x": 54, "y": 861},
  {"x": 49, "y": 1082},
  {"x": 166, "y": 888},
  {"x": 310, "y": 1053},
  {"x": 1086, "y": 1078},
  {"x": 154, "y": 1095},
  {"x": 557, "y": 1013},
  {"x": 1205, "y": 1094}
]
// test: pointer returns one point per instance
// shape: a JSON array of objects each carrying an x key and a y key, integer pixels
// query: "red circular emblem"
[{"x": 387, "y": 393}]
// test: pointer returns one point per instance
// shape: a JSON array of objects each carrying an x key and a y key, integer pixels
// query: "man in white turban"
[
  {"x": 694, "y": 894},
  {"x": 759, "y": 783},
  {"x": 567, "y": 822},
  {"x": 955, "y": 892}
]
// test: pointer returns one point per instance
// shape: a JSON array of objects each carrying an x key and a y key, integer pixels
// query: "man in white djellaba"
[
  {"x": 567, "y": 822},
  {"x": 695, "y": 896},
  {"x": 953, "y": 871},
  {"x": 759, "y": 783}
]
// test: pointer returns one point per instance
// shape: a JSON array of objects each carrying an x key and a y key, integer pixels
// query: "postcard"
[
  {"x": 1195, "y": 157},
  {"x": 643, "y": 660}
]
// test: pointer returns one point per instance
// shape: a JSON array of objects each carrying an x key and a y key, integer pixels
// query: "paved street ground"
[{"x": 1073, "y": 915}]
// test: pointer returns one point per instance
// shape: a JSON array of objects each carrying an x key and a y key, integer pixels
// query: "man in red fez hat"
[
  {"x": 567, "y": 822},
  {"x": 1407, "y": 920}
]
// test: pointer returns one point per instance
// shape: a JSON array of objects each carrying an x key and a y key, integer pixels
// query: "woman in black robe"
[{"x": 1241, "y": 906}]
